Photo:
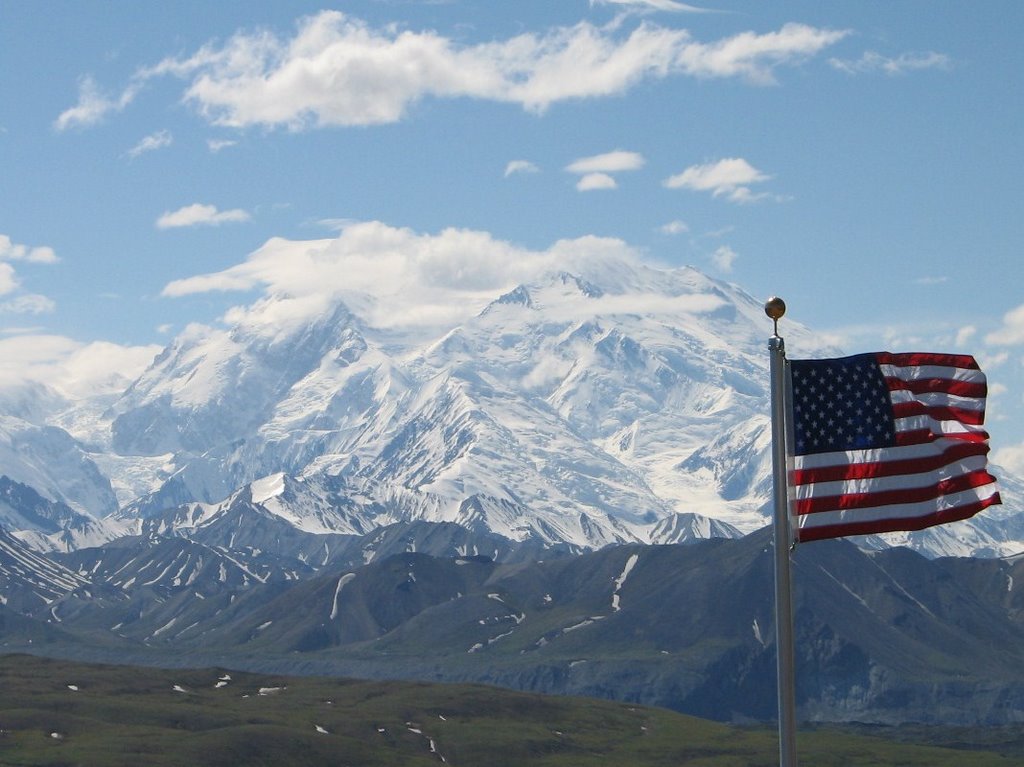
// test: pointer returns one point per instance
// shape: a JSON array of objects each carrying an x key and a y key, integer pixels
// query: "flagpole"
[{"x": 775, "y": 307}]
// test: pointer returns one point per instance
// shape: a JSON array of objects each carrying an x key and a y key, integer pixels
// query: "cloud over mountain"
[{"x": 398, "y": 276}]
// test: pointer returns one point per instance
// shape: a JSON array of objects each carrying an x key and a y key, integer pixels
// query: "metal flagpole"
[{"x": 775, "y": 307}]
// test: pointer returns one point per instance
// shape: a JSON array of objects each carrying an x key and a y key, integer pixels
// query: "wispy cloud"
[
  {"x": 401, "y": 278},
  {"x": 674, "y": 227},
  {"x": 930, "y": 280},
  {"x": 10, "y": 283},
  {"x": 151, "y": 143},
  {"x": 10, "y": 251},
  {"x": 610, "y": 162},
  {"x": 595, "y": 170},
  {"x": 872, "y": 61},
  {"x": 75, "y": 368},
  {"x": 755, "y": 57},
  {"x": 965, "y": 334},
  {"x": 655, "y": 5},
  {"x": 520, "y": 166},
  {"x": 931, "y": 333},
  {"x": 1011, "y": 333},
  {"x": 30, "y": 303},
  {"x": 408, "y": 278},
  {"x": 1011, "y": 457},
  {"x": 93, "y": 105},
  {"x": 338, "y": 70},
  {"x": 730, "y": 178},
  {"x": 199, "y": 215},
  {"x": 8, "y": 279},
  {"x": 723, "y": 258},
  {"x": 336, "y": 224},
  {"x": 215, "y": 145},
  {"x": 596, "y": 181}
]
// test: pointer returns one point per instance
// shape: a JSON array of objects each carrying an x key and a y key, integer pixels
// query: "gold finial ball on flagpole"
[{"x": 775, "y": 307}]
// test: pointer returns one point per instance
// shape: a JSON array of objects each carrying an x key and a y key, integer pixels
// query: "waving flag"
[{"x": 885, "y": 442}]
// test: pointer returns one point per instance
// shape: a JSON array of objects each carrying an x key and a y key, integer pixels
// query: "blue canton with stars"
[{"x": 841, "y": 404}]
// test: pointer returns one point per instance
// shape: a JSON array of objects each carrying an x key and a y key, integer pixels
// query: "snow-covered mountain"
[
  {"x": 29, "y": 580},
  {"x": 616, "y": 403},
  {"x": 50, "y": 460},
  {"x": 564, "y": 409},
  {"x": 51, "y": 525}
]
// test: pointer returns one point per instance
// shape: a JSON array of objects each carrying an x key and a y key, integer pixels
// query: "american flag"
[{"x": 885, "y": 442}]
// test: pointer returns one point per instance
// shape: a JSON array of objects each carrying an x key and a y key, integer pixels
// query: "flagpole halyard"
[{"x": 775, "y": 308}]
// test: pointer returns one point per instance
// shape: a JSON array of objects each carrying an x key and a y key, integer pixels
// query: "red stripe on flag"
[
  {"x": 821, "y": 532},
  {"x": 918, "y": 359},
  {"x": 939, "y": 413},
  {"x": 869, "y": 500},
  {"x": 923, "y": 436}
]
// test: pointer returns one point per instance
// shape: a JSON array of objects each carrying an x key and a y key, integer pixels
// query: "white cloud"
[
  {"x": 8, "y": 279},
  {"x": 33, "y": 357},
  {"x": 397, "y": 277},
  {"x": 755, "y": 57},
  {"x": 729, "y": 177},
  {"x": 654, "y": 5},
  {"x": 72, "y": 367},
  {"x": 520, "y": 166},
  {"x": 93, "y": 105},
  {"x": 920, "y": 334},
  {"x": 872, "y": 61},
  {"x": 743, "y": 194},
  {"x": 610, "y": 162},
  {"x": 9, "y": 282},
  {"x": 1012, "y": 331},
  {"x": 596, "y": 181},
  {"x": 42, "y": 255},
  {"x": 31, "y": 303},
  {"x": 338, "y": 70},
  {"x": 151, "y": 143},
  {"x": 989, "y": 361},
  {"x": 965, "y": 334},
  {"x": 931, "y": 280},
  {"x": 9, "y": 251},
  {"x": 102, "y": 365},
  {"x": 215, "y": 145},
  {"x": 370, "y": 257},
  {"x": 723, "y": 258},
  {"x": 674, "y": 227},
  {"x": 336, "y": 224},
  {"x": 1011, "y": 458},
  {"x": 198, "y": 214},
  {"x": 719, "y": 177}
]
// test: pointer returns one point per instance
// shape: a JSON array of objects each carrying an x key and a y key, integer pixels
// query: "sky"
[{"x": 164, "y": 163}]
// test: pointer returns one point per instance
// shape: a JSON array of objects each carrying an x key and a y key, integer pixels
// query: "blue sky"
[{"x": 861, "y": 159}]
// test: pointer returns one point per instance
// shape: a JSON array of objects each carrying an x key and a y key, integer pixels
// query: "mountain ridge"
[{"x": 884, "y": 637}]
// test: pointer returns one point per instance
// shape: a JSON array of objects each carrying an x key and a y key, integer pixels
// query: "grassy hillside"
[{"x": 62, "y": 713}]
